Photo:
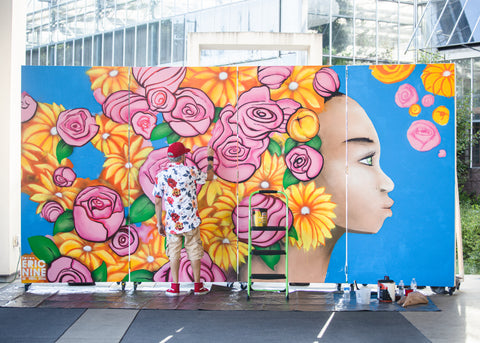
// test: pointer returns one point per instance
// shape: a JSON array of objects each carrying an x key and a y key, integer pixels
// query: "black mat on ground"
[
  {"x": 274, "y": 326},
  {"x": 225, "y": 326},
  {"x": 220, "y": 298},
  {"x": 35, "y": 324},
  {"x": 369, "y": 327}
]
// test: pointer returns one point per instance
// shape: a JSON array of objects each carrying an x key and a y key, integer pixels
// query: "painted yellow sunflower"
[
  {"x": 313, "y": 214},
  {"x": 121, "y": 169},
  {"x": 149, "y": 256},
  {"x": 223, "y": 247},
  {"x": 112, "y": 79},
  {"x": 46, "y": 190},
  {"x": 299, "y": 87},
  {"x": 41, "y": 130},
  {"x": 112, "y": 137},
  {"x": 90, "y": 254}
]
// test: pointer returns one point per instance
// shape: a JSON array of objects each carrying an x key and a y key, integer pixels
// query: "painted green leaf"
[
  {"x": 44, "y": 248},
  {"x": 63, "y": 150},
  {"x": 142, "y": 209},
  {"x": 141, "y": 275},
  {"x": 172, "y": 138},
  {"x": 217, "y": 114},
  {"x": 270, "y": 260},
  {"x": 292, "y": 233},
  {"x": 289, "y": 179},
  {"x": 100, "y": 274},
  {"x": 315, "y": 143},
  {"x": 64, "y": 222},
  {"x": 274, "y": 148},
  {"x": 289, "y": 145},
  {"x": 160, "y": 131}
]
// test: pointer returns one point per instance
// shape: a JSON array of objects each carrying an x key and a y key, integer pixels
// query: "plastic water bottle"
[
  {"x": 413, "y": 285},
  {"x": 401, "y": 288}
]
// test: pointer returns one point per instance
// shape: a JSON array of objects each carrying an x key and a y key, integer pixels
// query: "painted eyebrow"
[{"x": 359, "y": 140}]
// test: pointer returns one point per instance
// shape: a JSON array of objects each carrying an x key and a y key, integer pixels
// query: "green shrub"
[{"x": 470, "y": 217}]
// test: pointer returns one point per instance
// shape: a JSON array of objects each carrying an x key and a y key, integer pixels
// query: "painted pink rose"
[
  {"x": 66, "y": 269},
  {"x": 428, "y": 100},
  {"x": 97, "y": 213},
  {"x": 326, "y": 82},
  {"x": 276, "y": 216},
  {"x": 288, "y": 107},
  {"x": 122, "y": 105},
  {"x": 232, "y": 150},
  {"x": 143, "y": 124},
  {"x": 423, "y": 135},
  {"x": 209, "y": 271},
  {"x": 193, "y": 113},
  {"x": 199, "y": 157},
  {"x": 125, "y": 240},
  {"x": 64, "y": 176},
  {"x": 273, "y": 77},
  {"x": 76, "y": 127},
  {"x": 29, "y": 107},
  {"x": 98, "y": 95},
  {"x": 258, "y": 115},
  {"x": 166, "y": 77},
  {"x": 304, "y": 162},
  {"x": 160, "y": 99},
  {"x": 51, "y": 210},
  {"x": 406, "y": 96},
  {"x": 156, "y": 161}
]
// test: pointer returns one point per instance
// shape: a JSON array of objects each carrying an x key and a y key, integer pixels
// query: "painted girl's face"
[{"x": 352, "y": 159}]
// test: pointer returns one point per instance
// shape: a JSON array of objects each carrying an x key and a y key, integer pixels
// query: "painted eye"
[{"x": 367, "y": 160}]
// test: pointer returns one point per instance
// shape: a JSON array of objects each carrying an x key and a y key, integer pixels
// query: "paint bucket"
[
  {"x": 259, "y": 216},
  {"x": 363, "y": 296},
  {"x": 386, "y": 290}
]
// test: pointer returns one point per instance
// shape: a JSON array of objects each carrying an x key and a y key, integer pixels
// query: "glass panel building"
[{"x": 155, "y": 33}]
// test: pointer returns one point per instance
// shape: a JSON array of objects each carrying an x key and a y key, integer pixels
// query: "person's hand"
[
  {"x": 210, "y": 151},
  {"x": 161, "y": 229}
]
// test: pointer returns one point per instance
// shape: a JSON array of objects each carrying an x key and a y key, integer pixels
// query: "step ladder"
[{"x": 251, "y": 252}]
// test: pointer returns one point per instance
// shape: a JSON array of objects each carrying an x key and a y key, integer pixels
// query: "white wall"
[{"x": 12, "y": 46}]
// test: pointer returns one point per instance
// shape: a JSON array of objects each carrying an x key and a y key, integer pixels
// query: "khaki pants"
[{"x": 193, "y": 245}]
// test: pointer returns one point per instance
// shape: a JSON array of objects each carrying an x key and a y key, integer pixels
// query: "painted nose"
[{"x": 386, "y": 184}]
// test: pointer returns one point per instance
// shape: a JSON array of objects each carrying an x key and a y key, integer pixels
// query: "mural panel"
[{"x": 93, "y": 140}]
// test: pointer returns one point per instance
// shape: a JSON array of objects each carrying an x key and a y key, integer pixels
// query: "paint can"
[
  {"x": 386, "y": 290},
  {"x": 259, "y": 216}
]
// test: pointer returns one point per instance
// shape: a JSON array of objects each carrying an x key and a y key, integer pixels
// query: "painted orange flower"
[
  {"x": 46, "y": 190},
  {"x": 149, "y": 256},
  {"x": 439, "y": 79},
  {"x": 41, "y": 130},
  {"x": 392, "y": 73},
  {"x": 268, "y": 176},
  {"x": 112, "y": 137},
  {"x": 121, "y": 169},
  {"x": 220, "y": 83},
  {"x": 313, "y": 214},
  {"x": 112, "y": 79},
  {"x": 299, "y": 87},
  {"x": 90, "y": 254}
]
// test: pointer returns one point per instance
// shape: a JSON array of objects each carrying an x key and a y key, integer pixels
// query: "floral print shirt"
[{"x": 177, "y": 186}]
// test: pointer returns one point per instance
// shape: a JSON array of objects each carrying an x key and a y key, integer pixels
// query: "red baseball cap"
[{"x": 176, "y": 149}]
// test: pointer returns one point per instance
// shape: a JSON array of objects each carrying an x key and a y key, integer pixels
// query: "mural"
[{"x": 93, "y": 140}]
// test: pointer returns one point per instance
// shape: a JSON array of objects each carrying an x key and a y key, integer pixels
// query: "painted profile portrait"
[{"x": 365, "y": 155}]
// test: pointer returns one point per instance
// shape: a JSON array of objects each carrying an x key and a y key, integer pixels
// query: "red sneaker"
[
  {"x": 199, "y": 289},
  {"x": 174, "y": 290}
]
